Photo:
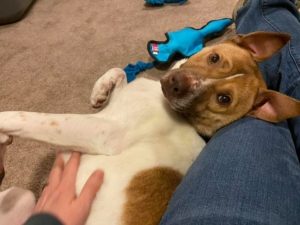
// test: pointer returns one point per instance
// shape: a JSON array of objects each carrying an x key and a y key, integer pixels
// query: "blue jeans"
[{"x": 249, "y": 172}]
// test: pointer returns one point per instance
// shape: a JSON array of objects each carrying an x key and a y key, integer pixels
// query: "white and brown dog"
[{"x": 145, "y": 147}]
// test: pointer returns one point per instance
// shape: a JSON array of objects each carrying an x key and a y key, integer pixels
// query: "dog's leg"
[
  {"x": 84, "y": 133},
  {"x": 113, "y": 79}
]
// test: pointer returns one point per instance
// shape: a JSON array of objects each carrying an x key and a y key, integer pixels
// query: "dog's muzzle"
[{"x": 178, "y": 84}]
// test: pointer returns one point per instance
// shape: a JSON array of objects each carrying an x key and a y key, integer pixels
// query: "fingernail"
[{"x": 99, "y": 173}]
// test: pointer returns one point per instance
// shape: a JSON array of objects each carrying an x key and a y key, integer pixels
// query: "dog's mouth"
[
  {"x": 180, "y": 105},
  {"x": 182, "y": 109}
]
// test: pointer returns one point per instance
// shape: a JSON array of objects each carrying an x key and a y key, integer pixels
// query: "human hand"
[{"x": 59, "y": 197}]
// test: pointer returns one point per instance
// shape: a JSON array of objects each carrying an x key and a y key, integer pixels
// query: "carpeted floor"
[{"x": 50, "y": 60}]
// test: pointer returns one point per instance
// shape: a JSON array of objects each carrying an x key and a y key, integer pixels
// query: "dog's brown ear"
[
  {"x": 262, "y": 45},
  {"x": 273, "y": 106}
]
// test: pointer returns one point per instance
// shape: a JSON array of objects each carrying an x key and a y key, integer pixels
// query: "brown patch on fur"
[
  {"x": 148, "y": 195},
  {"x": 54, "y": 123}
]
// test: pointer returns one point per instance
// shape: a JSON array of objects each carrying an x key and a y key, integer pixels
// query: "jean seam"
[
  {"x": 263, "y": 5},
  {"x": 293, "y": 87},
  {"x": 292, "y": 53}
]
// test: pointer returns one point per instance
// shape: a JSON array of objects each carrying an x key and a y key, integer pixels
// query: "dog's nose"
[{"x": 175, "y": 85}]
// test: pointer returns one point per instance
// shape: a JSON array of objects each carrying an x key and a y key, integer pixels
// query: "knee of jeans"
[{"x": 252, "y": 135}]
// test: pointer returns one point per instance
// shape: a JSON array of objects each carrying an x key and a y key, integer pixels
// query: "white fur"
[{"x": 135, "y": 131}]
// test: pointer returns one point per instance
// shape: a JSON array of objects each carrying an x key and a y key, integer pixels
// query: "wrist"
[{"x": 43, "y": 218}]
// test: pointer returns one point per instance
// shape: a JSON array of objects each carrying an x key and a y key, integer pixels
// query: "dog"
[
  {"x": 141, "y": 144},
  {"x": 146, "y": 135}
]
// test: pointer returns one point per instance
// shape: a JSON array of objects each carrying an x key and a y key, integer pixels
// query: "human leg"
[
  {"x": 282, "y": 71},
  {"x": 247, "y": 174}
]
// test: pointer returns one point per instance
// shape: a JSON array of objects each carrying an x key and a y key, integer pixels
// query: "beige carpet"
[{"x": 50, "y": 60}]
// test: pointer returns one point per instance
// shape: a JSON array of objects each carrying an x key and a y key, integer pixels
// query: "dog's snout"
[{"x": 175, "y": 85}]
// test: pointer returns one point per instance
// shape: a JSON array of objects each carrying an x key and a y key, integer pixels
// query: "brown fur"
[
  {"x": 194, "y": 88},
  {"x": 54, "y": 123},
  {"x": 148, "y": 195}
]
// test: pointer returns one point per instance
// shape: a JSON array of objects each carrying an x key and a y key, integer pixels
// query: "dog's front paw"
[
  {"x": 105, "y": 85},
  {"x": 100, "y": 97},
  {"x": 5, "y": 139}
]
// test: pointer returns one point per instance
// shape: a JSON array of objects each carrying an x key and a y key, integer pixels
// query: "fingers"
[
  {"x": 69, "y": 174},
  {"x": 56, "y": 172},
  {"x": 53, "y": 181},
  {"x": 90, "y": 189}
]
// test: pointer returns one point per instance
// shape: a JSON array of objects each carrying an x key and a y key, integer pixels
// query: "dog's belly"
[
  {"x": 110, "y": 205},
  {"x": 155, "y": 140}
]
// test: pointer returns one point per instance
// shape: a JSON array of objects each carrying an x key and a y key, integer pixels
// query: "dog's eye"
[
  {"x": 213, "y": 58},
  {"x": 224, "y": 99}
]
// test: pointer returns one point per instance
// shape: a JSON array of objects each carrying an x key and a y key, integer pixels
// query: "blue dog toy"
[
  {"x": 162, "y": 2},
  {"x": 185, "y": 42}
]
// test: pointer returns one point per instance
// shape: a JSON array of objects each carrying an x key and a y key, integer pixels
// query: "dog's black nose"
[{"x": 175, "y": 85}]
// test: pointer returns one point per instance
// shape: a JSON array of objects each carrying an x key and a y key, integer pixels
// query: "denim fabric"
[
  {"x": 282, "y": 71},
  {"x": 249, "y": 172}
]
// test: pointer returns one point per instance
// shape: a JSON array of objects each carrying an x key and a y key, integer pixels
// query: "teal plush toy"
[{"x": 185, "y": 43}]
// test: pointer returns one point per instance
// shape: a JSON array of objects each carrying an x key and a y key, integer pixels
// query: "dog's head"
[{"x": 222, "y": 83}]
